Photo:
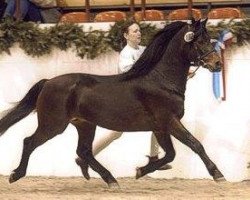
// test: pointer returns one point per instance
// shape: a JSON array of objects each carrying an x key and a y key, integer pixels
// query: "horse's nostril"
[{"x": 218, "y": 65}]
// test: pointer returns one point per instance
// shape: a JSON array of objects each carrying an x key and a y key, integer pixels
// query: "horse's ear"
[
  {"x": 198, "y": 22},
  {"x": 193, "y": 20},
  {"x": 204, "y": 22}
]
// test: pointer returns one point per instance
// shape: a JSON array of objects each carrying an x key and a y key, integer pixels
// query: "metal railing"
[
  {"x": 88, "y": 7},
  {"x": 132, "y": 4}
]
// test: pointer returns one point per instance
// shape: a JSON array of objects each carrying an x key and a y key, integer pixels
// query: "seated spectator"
[
  {"x": 48, "y": 10},
  {"x": 33, "y": 10},
  {"x": 28, "y": 11}
]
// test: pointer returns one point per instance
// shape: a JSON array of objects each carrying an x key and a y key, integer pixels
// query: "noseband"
[{"x": 200, "y": 60}]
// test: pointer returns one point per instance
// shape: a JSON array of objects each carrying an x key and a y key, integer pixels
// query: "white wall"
[{"x": 222, "y": 127}]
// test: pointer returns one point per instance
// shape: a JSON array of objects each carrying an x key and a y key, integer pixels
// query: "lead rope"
[{"x": 191, "y": 75}]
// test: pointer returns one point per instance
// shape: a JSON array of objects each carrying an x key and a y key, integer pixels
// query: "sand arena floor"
[{"x": 74, "y": 188}]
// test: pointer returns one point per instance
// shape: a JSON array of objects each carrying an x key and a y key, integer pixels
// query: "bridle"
[{"x": 200, "y": 57}]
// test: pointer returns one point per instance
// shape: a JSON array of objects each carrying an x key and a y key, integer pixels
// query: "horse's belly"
[
  {"x": 118, "y": 117},
  {"x": 132, "y": 120}
]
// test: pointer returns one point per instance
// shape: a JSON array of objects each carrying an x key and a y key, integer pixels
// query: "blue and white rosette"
[{"x": 217, "y": 76}]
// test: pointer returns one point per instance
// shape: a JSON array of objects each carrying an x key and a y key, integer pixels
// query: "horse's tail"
[{"x": 23, "y": 108}]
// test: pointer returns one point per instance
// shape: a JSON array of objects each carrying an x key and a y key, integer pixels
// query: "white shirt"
[{"x": 128, "y": 56}]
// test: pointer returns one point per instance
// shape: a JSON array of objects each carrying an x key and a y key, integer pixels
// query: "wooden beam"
[
  {"x": 87, "y": 9},
  {"x": 190, "y": 6},
  {"x": 223, "y": 71},
  {"x": 132, "y": 7},
  {"x": 143, "y": 8}
]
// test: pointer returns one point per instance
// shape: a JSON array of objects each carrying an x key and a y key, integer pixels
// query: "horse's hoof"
[
  {"x": 221, "y": 179},
  {"x": 84, "y": 167},
  {"x": 165, "y": 167},
  {"x": 218, "y": 176},
  {"x": 114, "y": 185},
  {"x": 13, "y": 177},
  {"x": 138, "y": 173}
]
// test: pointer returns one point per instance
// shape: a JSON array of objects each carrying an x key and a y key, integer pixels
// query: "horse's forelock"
[{"x": 199, "y": 28}]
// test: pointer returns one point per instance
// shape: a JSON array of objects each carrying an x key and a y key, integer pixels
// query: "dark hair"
[
  {"x": 127, "y": 24},
  {"x": 125, "y": 28}
]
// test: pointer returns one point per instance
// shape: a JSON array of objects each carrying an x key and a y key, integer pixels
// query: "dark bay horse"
[{"x": 149, "y": 97}]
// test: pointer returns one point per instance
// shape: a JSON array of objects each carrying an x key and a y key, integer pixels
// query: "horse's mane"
[{"x": 154, "y": 50}]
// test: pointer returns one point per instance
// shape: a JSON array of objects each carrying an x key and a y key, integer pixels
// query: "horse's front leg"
[
  {"x": 164, "y": 140},
  {"x": 86, "y": 133},
  {"x": 184, "y": 136}
]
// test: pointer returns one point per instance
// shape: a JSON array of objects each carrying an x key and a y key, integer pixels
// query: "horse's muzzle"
[{"x": 216, "y": 67}]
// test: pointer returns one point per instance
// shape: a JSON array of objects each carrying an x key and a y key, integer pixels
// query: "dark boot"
[{"x": 155, "y": 158}]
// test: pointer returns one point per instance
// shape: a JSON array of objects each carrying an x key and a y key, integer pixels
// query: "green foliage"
[
  {"x": 37, "y": 40},
  {"x": 148, "y": 31},
  {"x": 30, "y": 37},
  {"x": 7, "y": 36},
  {"x": 63, "y": 36},
  {"x": 240, "y": 30}
]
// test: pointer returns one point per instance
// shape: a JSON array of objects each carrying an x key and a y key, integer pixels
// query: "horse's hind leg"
[
  {"x": 86, "y": 133},
  {"x": 164, "y": 140},
  {"x": 184, "y": 136},
  {"x": 41, "y": 135}
]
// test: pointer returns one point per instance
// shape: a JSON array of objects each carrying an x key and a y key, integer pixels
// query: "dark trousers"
[
  {"x": 33, "y": 14},
  {"x": 2, "y": 8}
]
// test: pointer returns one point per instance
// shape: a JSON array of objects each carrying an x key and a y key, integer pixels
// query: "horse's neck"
[{"x": 173, "y": 68}]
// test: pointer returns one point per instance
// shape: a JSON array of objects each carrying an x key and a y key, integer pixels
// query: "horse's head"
[{"x": 199, "y": 48}]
